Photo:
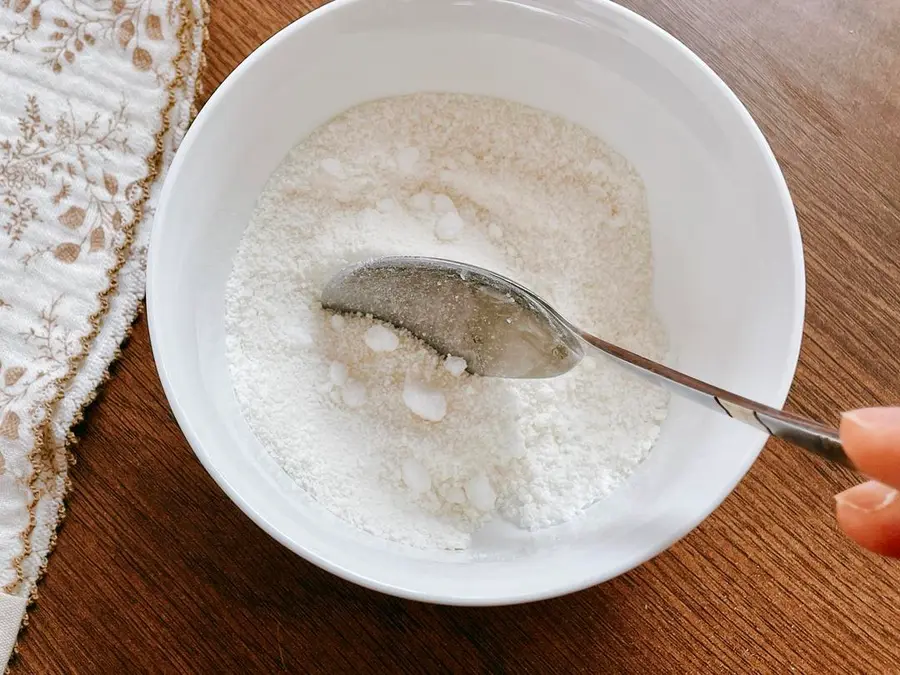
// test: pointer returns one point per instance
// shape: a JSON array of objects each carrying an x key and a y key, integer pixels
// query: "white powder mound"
[{"x": 382, "y": 431}]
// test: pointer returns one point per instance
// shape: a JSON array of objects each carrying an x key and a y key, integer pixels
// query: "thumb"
[{"x": 870, "y": 513}]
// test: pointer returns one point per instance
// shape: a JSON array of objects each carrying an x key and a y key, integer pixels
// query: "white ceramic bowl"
[{"x": 729, "y": 263}]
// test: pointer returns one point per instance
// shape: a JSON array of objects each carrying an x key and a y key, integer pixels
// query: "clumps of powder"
[
  {"x": 338, "y": 373},
  {"x": 449, "y": 226},
  {"x": 423, "y": 400},
  {"x": 455, "y": 365},
  {"x": 443, "y": 204},
  {"x": 480, "y": 493},
  {"x": 381, "y": 339}
]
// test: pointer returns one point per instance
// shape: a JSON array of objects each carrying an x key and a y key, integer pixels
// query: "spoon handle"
[{"x": 818, "y": 438}]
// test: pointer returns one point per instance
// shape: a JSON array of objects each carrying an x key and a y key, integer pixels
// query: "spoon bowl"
[{"x": 498, "y": 326}]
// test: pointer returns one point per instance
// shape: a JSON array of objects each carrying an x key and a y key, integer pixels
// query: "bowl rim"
[{"x": 560, "y": 586}]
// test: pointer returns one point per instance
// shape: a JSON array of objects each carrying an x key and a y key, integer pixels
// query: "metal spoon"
[{"x": 502, "y": 329}]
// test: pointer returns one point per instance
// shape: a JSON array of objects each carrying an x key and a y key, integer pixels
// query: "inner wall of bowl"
[{"x": 726, "y": 282}]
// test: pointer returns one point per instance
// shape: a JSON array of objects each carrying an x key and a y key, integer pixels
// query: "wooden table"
[{"x": 157, "y": 571}]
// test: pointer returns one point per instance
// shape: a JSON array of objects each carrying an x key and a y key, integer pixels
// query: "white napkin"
[{"x": 94, "y": 99}]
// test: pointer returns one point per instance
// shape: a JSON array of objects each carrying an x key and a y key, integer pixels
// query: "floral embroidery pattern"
[
  {"x": 54, "y": 156},
  {"x": 80, "y": 25},
  {"x": 54, "y": 342},
  {"x": 94, "y": 98},
  {"x": 15, "y": 383}
]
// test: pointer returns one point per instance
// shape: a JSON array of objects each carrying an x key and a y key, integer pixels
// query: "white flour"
[{"x": 378, "y": 428}]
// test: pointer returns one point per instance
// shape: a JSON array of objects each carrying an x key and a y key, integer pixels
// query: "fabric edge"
[{"x": 117, "y": 312}]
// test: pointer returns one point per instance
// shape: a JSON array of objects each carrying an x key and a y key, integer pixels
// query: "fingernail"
[
  {"x": 875, "y": 418},
  {"x": 867, "y": 497}
]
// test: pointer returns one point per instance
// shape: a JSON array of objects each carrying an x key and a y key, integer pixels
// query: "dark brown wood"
[{"x": 156, "y": 571}]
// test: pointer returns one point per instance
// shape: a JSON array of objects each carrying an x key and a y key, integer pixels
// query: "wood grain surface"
[{"x": 156, "y": 571}]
